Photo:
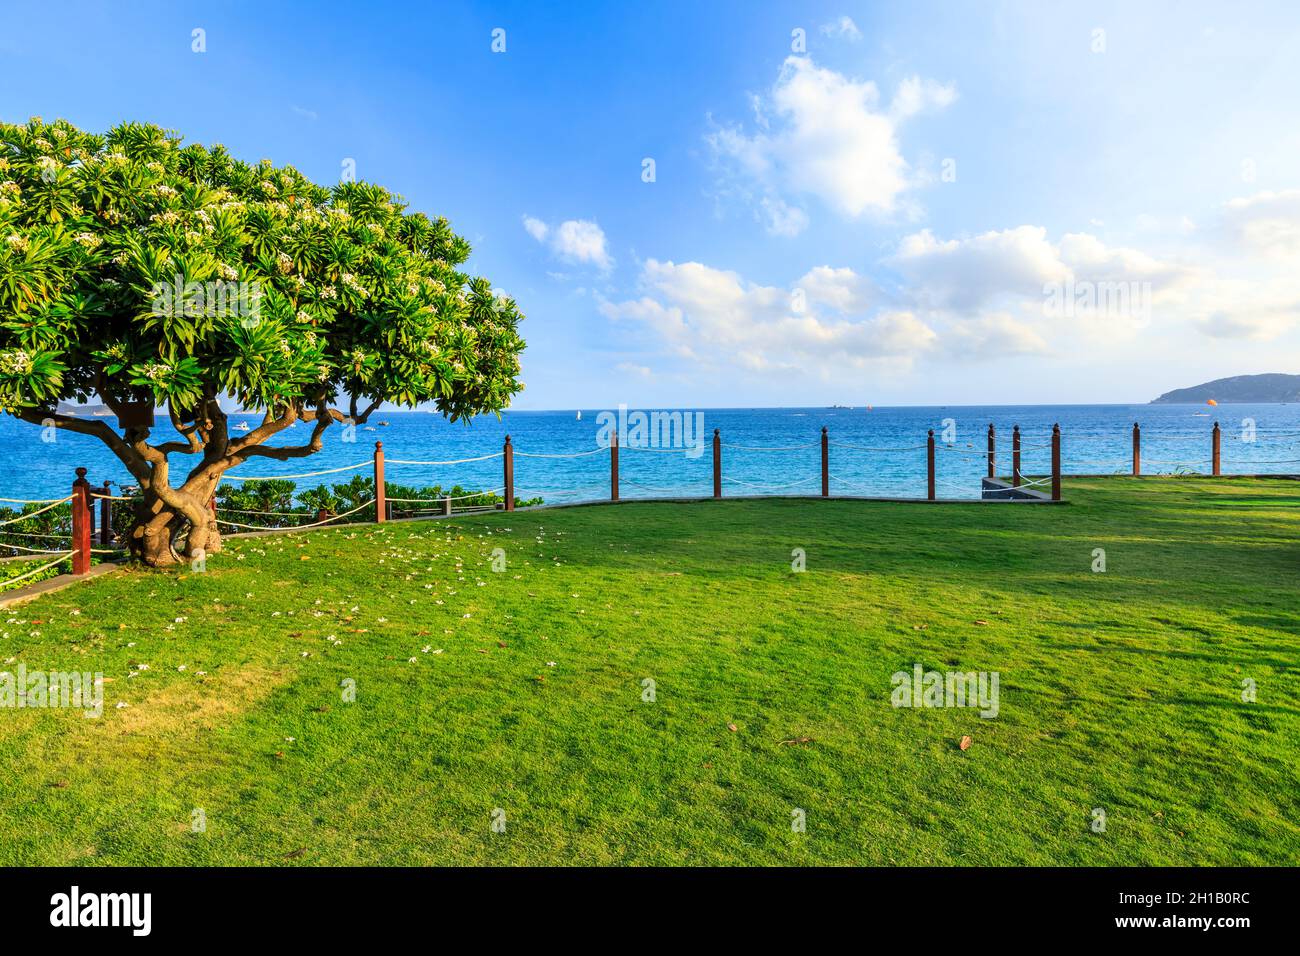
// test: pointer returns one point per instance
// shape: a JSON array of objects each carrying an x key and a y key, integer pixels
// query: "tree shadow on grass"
[{"x": 1281, "y": 664}]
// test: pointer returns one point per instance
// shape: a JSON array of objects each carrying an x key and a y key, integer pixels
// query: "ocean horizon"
[{"x": 874, "y": 451}]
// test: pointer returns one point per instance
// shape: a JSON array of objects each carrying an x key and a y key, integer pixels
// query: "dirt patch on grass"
[{"x": 187, "y": 706}]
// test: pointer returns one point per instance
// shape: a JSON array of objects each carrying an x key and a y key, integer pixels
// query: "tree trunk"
[{"x": 164, "y": 535}]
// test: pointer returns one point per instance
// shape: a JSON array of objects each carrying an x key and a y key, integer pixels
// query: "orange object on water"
[{"x": 1210, "y": 401}]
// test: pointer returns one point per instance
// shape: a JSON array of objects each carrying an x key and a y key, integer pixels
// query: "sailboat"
[
  {"x": 579, "y": 418},
  {"x": 242, "y": 427}
]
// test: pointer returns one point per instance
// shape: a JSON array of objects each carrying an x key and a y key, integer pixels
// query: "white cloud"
[
  {"x": 843, "y": 27},
  {"x": 782, "y": 218},
  {"x": 826, "y": 135},
  {"x": 717, "y": 317},
  {"x": 915, "y": 96},
  {"x": 993, "y": 336},
  {"x": 1080, "y": 292},
  {"x": 841, "y": 289},
  {"x": 1266, "y": 223},
  {"x": 579, "y": 241},
  {"x": 536, "y": 228},
  {"x": 1020, "y": 264},
  {"x": 964, "y": 274},
  {"x": 631, "y": 368}
]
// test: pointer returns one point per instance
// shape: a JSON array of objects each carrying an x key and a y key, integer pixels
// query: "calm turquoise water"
[{"x": 1095, "y": 439}]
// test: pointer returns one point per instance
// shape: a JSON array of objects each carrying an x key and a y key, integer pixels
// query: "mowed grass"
[{"x": 522, "y": 690}]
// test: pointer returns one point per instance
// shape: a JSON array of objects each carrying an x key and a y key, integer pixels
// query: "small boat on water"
[
  {"x": 381, "y": 423},
  {"x": 579, "y": 418},
  {"x": 242, "y": 427}
]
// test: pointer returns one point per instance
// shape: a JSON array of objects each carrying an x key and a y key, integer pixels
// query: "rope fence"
[{"x": 81, "y": 524}]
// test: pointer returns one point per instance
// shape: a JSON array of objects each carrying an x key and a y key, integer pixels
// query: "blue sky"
[{"x": 920, "y": 203}]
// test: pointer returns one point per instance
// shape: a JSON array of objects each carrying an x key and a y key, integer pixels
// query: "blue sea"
[{"x": 874, "y": 451}]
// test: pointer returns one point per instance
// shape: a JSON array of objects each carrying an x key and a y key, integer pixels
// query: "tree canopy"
[{"x": 111, "y": 246}]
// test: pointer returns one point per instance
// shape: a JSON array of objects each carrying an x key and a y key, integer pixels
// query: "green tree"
[{"x": 155, "y": 274}]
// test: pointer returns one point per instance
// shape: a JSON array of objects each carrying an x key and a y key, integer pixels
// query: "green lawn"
[{"x": 1119, "y": 690}]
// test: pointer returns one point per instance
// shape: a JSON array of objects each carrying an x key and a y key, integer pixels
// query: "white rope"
[
  {"x": 750, "y": 484},
  {"x": 36, "y": 534},
  {"x": 660, "y": 451},
  {"x": 19, "y": 547},
  {"x": 299, "y": 527},
  {"x": 576, "y": 454},
  {"x": 671, "y": 491},
  {"x": 568, "y": 491},
  {"x": 33, "y": 514},
  {"x": 434, "y": 501},
  {"x": 104, "y": 497},
  {"x": 458, "y": 461},
  {"x": 840, "y": 444},
  {"x": 34, "y": 501},
  {"x": 766, "y": 448},
  {"x": 309, "y": 474},
  {"x": 44, "y": 567}
]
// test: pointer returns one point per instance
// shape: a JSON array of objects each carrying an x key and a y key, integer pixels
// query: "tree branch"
[{"x": 99, "y": 429}]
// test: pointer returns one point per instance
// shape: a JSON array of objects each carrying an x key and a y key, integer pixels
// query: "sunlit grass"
[{"x": 523, "y": 689}]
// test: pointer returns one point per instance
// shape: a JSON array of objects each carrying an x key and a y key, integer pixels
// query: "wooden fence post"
[
  {"x": 381, "y": 502},
  {"x": 717, "y": 464},
  {"x": 1216, "y": 438},
  {"x": 446, "y": 506},
  {"x": 82, "y": 523},
  {"x": 105, "y": 516},
  {"x": 992, "y": 446},
  {"x": 613, "y": 465},
  {"x": 1015, "y": 457},
  {"x": 1137, "y": 450},
  {"x": 826, "y": 464},
  {"x": 508, "y": 466},
  {"x": 1056, "y": 462},
  {"x": 929, "y": 466}
]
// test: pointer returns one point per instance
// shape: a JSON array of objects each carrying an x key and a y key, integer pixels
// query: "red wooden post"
[
  {"x": 105, "y": 516},
  {"x": 717, "y": 464},
  {"x": 613, "y": 465},
  {"x": 1217, "y": 438},
  {"x": 1015, "y": 457},
  {"x": 992, "y": 445},
  {"x": 826, "y": 464},
  {"x": 508, "y": 464},
  {"x": 381, "y": 502},
  {"x": 82, "y": 523},
  {"x": 929, "y": 466},
  {"x": 1137, "y": 450},
  {"x": 1056, "y": 462}
]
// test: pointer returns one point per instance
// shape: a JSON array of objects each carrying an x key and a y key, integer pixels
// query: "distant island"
[
  {"x": 85, "y": 411},
  {"x": 1240, "y": 389}
]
